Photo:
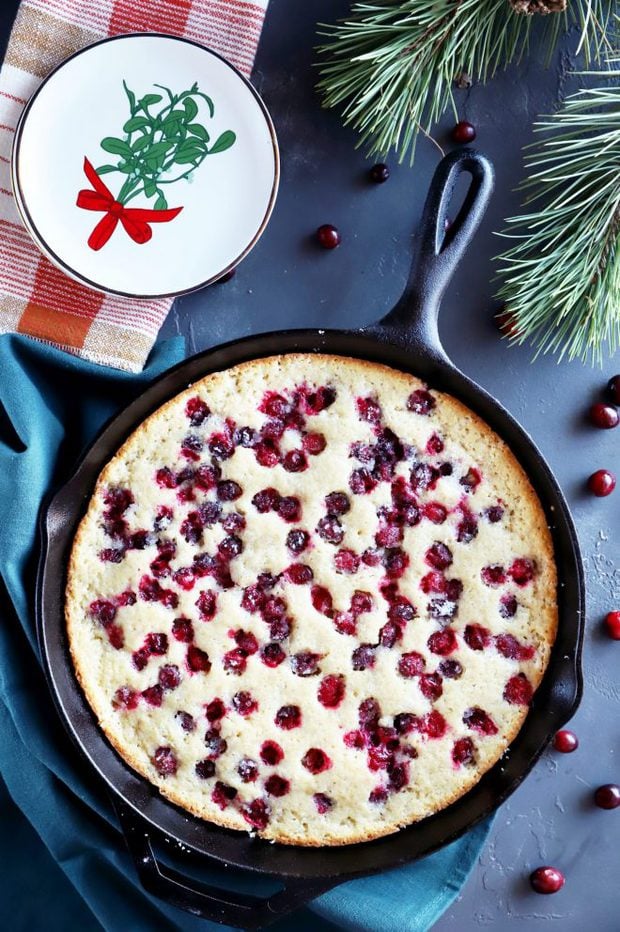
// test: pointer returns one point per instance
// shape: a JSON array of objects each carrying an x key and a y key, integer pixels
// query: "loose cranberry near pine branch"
[{"x": 561, "y": 275}]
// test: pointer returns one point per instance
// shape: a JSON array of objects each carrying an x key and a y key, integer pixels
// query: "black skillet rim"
[{"x": 552, "y": 706}]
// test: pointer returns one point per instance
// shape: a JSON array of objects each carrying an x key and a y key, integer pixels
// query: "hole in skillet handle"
[
  {"x": 412, "y": 323},
  {"x": 230, "y": 908}
]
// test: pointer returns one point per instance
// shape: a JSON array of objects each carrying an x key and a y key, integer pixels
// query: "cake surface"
[{"x": 312, "y": 598}]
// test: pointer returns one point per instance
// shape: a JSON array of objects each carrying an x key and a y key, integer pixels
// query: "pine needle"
[
  {"x": 391, "y": 66},
  {"x": 561, "y": 276}
]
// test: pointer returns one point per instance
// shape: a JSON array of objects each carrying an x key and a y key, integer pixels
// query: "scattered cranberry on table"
[
  {"x": 463, "y": 133},
  {"x": 604, "y": 416},
  {"x": 379, "y": 173},
  {"x": 328, "y": 236},
  {"x": 546, "y": 880},
  {"x": 566, "y": 741},
  {"x": 612, "y": 625},
  {"x": 613, "y": 389},
  {"x": 602, "y": 483},
  {"x": 506, "y": 323},
  {"x": 607, "y": 796}
]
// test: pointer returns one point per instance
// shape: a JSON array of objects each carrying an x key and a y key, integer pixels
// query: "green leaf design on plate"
[
  {"x": 158, "y": 148},
  {"x": 223, "y": 142},
  {"x": 136, "y": 123},
  {"x": 140, "y": 143},
  {"x": 116, "y": 146},
  {"x": 150, "y": 99},
  {"x": 161, "y": 203},
  {"x": 191, "y": 109},
  {"x": 104, "y": 169},
  {"x": 196, "y": 129},
  {"x": 149, "y": 187}
]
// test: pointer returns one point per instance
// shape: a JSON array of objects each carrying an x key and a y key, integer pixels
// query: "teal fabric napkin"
[{"x": 64, "y": 865}]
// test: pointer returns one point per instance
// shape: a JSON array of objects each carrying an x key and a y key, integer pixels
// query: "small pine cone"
[{"x": 540, "y": 7}]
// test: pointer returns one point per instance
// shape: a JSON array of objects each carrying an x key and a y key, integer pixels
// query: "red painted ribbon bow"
[{"x": 135, "y": 220}]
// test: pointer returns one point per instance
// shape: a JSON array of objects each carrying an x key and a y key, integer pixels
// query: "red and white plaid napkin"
[{"x": 35, "y": 297}]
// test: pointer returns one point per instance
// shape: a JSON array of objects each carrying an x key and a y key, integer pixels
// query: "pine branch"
[
  {"x": 561, "y": 278},
  {"x": 391, "y": 65}
]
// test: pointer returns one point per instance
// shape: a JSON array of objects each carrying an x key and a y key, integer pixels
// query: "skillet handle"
[
  {"x": 230, "y": 908},
  {"x": 414, "y": 318}
]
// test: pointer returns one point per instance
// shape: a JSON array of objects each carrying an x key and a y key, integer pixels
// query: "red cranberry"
[
  {"x": 467, "y": 529},
  {"x": 378, "y": 795},
  {"x": 395, "y": 562},
  {"x": 197, "y": 660},
  {"x": 494, "y": 514},
  {"x": 345, "y": 623},
  {"x": 361, "y": 482},
  {"x": 102, "y": 611},
  {"x": 197, "y": 411},
  {"x": 493, "y": 575},
  {"x": 435, "y": 512},
  {"x": 246, "y": 641},
  {"x": 420, "y": 402},
  {"x": 463, "y": 133},
  {"x": 299, "y": 574},
  {"x": 223, "y": 794},
  {"x": 165, "y": 478},
  {"x": 112, "y": 555},
  {"x": 164, "y": 761},
  {"x": 322, "y": 802},
  {"x": 153, "y": 695},
  {"x": 205, "y": 769},
  {"x": 314, "y": 444},
  {"x": 518, "y": 690},
  {"x": 297, "y": 540},
  {"x": 613, "y": 389},
  {"x": 271, "y": 753},
  {"x": 602, "y": 483},
  {"x": 256, "y": 813},
  {"x": 546, "y": 880},
  {"x": 565, "y": 741},
  {"x": 508, "y": 606},
  {"x": 185, "y": 720},
  {"x": 228, "y": 490},
  {"x": 328, "y": 236},
  {"x": 207, "y": 604},
  {"x": 235, "y": 661},
  {"x": 371, "y": 557},
  {"x": 272, "y": 655},
  {"x": 288, "y": 717},
  {"x": 480, "y": 721},
  {"x": 379, "y": 173},
  {"x": 369, "y": 714},
  {"x": 450, "y": 669},
  {"x": 275, "y": 785},
  {"x": 305, "y": 663},
  {"x": 321, "y": 600},
  {"x": 214, "y": 743},
  {"x": 183, "y": 630},
  {"x": 156, "y": 643},
  {"x": 363, "y": 657},
  {"x": 471, "y": 480},
  {"x": 434, "y": 445},
  {"x": 443, "y": 642},
  {"x": 476, "y": 636},
  {"x": 431, "y": 686},
  {"x": 330, "y": 529},
  {"x": 316, "y": 761},
  {"x": 244, "y": 703},
  {"x": 331, "y": 691},
  {"x": 612, "y": 625},
  {"x": 215, "y": 710},
  {"x": 607, "y": 796},
  {"x": 319, "y": 400},
  {"x": 368, "y": 409},
  {"x": 361, "y": 602},
  {"x": 289, "y": 509},
  {"x": 125, "y": 698},
  {"x": 169, "y": 676},
  {"x": 411, "y": 664},
  {"x": 280, "y": 629},
  {"x": 508, "y": 646},
  {"x": 522, "y": 571},
  {"x": 463, "y": 752},
  {"x": 438, "y": 556},
  {"x": 604, "y": 416},
  {"x": 295, "y": 461},
  {"x": 230, "y": 547},
  {"x": 347, "y": 561}
]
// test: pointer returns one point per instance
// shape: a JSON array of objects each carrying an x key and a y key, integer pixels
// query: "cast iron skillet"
[{"x": 406, "y": 339}]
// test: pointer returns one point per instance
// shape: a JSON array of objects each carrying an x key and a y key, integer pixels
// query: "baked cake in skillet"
[{"x": 312, "y": 598}]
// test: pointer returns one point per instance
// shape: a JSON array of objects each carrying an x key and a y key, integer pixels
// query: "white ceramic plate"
[{"x": 145, "y": 165}]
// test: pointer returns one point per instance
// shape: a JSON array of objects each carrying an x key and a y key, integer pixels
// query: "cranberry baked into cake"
[{"x": 312, "y": 598}]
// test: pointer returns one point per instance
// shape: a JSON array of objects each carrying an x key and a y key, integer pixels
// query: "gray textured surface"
[{"x": 286, "y": 282}]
